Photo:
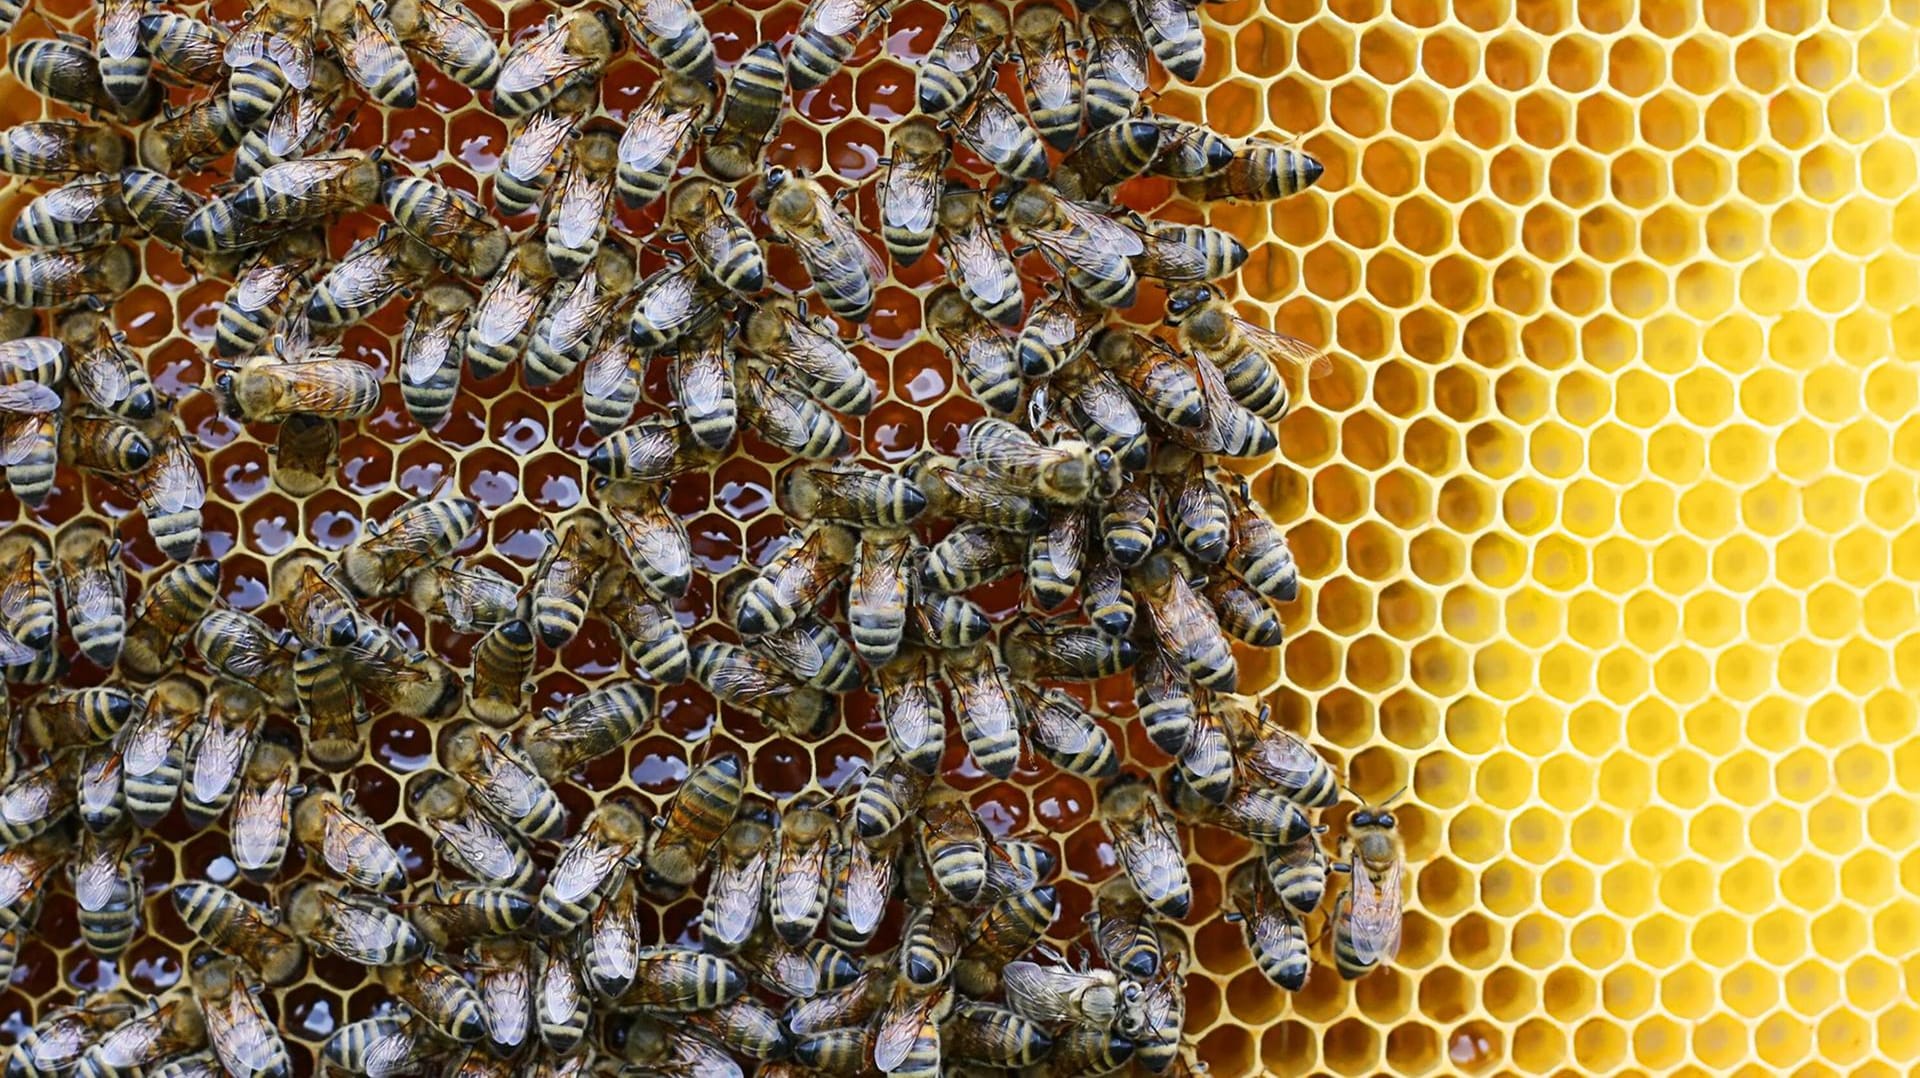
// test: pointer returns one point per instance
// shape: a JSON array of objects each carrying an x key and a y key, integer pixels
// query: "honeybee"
[
  {"x": 277, "y": 39},
  {"x": 610, "y": 376},
  {"x": 260, "y": 298},
  {"x": 1147, "y": 843},
  {"x": 1244, "y": 353},
  {"x": 440, "y": 996},
  {"x": 1105, "y": 599},
  {"x": 1116, "y": 65},
  {"x": 1260, "y": 171},
  {"x": 27, "y": 609},
  {"x": 655, "y": 640},
  {"x": 826, "y": 36},
  {"x": 797, "y": 886},
  {"x": 540, "y": 67},
  {"x": 1154, "y": 376},
  {"x": 171, "y": 491},
  {"x": 1002, "y": 136},
  {"x": 310, "y": 188},
  {"x": 816, "y": 653},
  {"x": 795, "y": 580},
  {"x": 731, "y": 912},
  {"x": 756, "y": 684},
  {"x": 1100, "y": 409},
  {"x": 347, "y": 843},
  {"x": 844, "y": 270},
  {"x": 188, "y": 48},
  {"x": 915, "y": 721},
  {"x": 70, "y": 718},
  {"x": 811, "y": 354},
  {"x": 1298, "y": 872},
  {"x": 156, "y": 749},
  {"x": 370, "y": 52},
  {"x": 965, "y": 53},
  {"x": 681, "y": 979},
  {"x": 1060, "y": 729},
  {"x": 653, "y": 539},
  {"x": 1124, "y": 930},
  {"x": 1188, "y": 253},
  {"x": 672, "y": 303},
  {"x": 1076, "y": 238},
  {"x": 24, "y": 871},
  {"x": 746, "y": 1026},
  {"x": 430, "y": 352},
  {"x": 330, "y": 706},
  {"x": 862, "y": 881},
  {"x": 237, "y": 927},
  {"x": 387, "y": 1044},
  {"x": 1057, "y": 994},
  {"x": 563, "y": 582},
  {"x": 261, "y": 822},
  {"x": 877, "y": 593},
  {"x": 451, "y": 222},
  {"x": 988, "y": 711},
  {"x": 859, "y": 496},
  {"x": 982, "y": 353},
  {"x": 240, "y": 646},
  {"x": 1275, "y": 936},
  {"x": 610, "y": 941},
  {"x": 99, "y": 444},
  {"x": 83, "y": 212},
  {"x": 568, "y": 328},
  {"x": 1183, "y": 623},
  {"x": 354, "y": 928},
  {"x": 953, "y": 843},
  {"x": 1056, "y": 559},
  {"x": 1367, "y": 916},
  {"x": 269, "y": 388},
  {"x": 589, "y": 865},
  {"x": 64, "y": 1034},
  {"x": 93, "y": 588},
  {"x": 702, "y": 211},
  {"x": 844, "y": 1006},
  {"x": 962, "y": 496},
  {"x": 672, "y": 31},
  {"x": 592, "y": 724},
  {"x": 911, "y": 188},
  {"x": 458, "y": 914},
  {"x": 1069, "y": 472},
  {"x": 696, "y": 816},
  {"x": 1108, "y": 156},
  {"x": 108, "y": 893},
  {"x": 560, "y": 1003},
  {"x": 450, "y": 36},
  {"x": 59, "y": 148},
  {"x": 1251, "y": 810},
  {"x": 243, "y": 1038},
  {"x": 466, "y": 837},
  {"x": 63, "y": 69},
  {"x": 987, "y": 1035},
  {"x": 426, "y": 530},
  {"x": 975, "y": 262},
  {"x": 658, "y": 134},
  {"x": 35, "y": 801},
  {"x": 1258, "y": 553},
  {"x": 1244, "y": 614},
  {"x": 503, "y": 979},
  {"x": 577, "y": 204},
  {"x": 835, "y": 1051},
  {"x": 218, "y": 758},
  {"x": 66, "y": 278},
  {"x": 906, "y": 1039},
  {"x": 749, "y": 114},
  {"x": 367, "y": 276},
  {"x": 702, "y": 379},
  {"x": 503, "y": 317},
  {"x": 1050, "y": 77},
  {"x": 929, "y": 942},
  {"x": 149, "y": 1036},
  {"x": 535, "y": 151},
  {"x": 785, "y": 416},
  {"x": 1056, "y": 333},
  {"x": 969, "y": 556}
]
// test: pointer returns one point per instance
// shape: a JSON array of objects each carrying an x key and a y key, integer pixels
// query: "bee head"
[
  {"x": 1185, "y": 300},
  {"x": 224, "y": 385}
]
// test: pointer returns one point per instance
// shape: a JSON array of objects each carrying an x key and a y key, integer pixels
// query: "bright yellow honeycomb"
[{"x": 1603, "y": 512}]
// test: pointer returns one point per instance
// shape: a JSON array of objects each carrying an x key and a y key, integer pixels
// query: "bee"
[
  {"x": 237, "y": 927},
  {"x": 367, "y": 276},
  {"x": 260, "y": 821},
  {"x": 984, "y": 356},
  {"x": 467, "y": 838},
  {"x": 370, "y": 52},
  {"x": 785, "y": 416},
  {"x": 1188, "y": 253},
  {"x": 1110, "y": 155},
  {"x": 24, "y": 871},
  {"x": 1124, "y": 930},
  {"x": 577, "y": 203},
  {"x": 1068, "y": 472},
  {"x": 611, "y": 375},
  {"x": 218, "y": 759},
  {"x": 992, "y": 1036},
  {"x": 800, "y": 972},
  {"x": 971, "y": 555},
  {"x": 826, "y": 36},
  {"x": 702, "y": 212},
  {"x": 240, "y": 646},
  {"x": 1051, "y": 79},
  {"x": 540, "y": 67},
  {"x": 450, "y": 37},
  {"x": 1245, "y": 353},
  {"x": 877, "y": 593},
  {"x": 71, "y": 718},
  {"x": 452, "y": 223},
  {"x": 268, "y": 388},
  {"x": 330, "y": 705},
  {"x": 861, "y": 883},
  {"x": 591, "y": 725},
  {"x": 260, "y": 298},
  {"x": 610, "y": 942},
  {"x": 1258, "y": 553},
  {"x": 190, "y": 49},
  {"x": 1201, "y": 516},
  {"x": 756, "y": 684},
  {"x": 749, "y": 114},
  {"x": 1101, "y": 410},
  {"x": 1002, "y": 136},
  {"x": 795, "y": 580},
  {"x": 655, "y": 641},
  {"x": 848, "y": 1005},
  {"x": 87, "y": 211},
  {"x": 387, "y": 1044},
  {"x": 243, "y": 1038},
  {"x": 915, "y": 721},
  {"x": 430, "y": 352},
  {"x": 811, "y": 353},
  {"x": 60, "y": 148},
  {"x": 1156, "y": 377},
  {"x": 152, "y": 1034},
  {"x": 988, "y": 711},
  {"x": 671, "y": 304},
  {"x": 384, "y": 559},
  {"x": 1188, "y": 151},
  {"x": 1251, "y": 810},
  {"x": 954, "y": 844},
  {"x": 98, "y": 798},
  {"x": 1298, "y": 872},
  {"x": 93, "y": 588},
  {"x": 1074, "y": 237},
  {"x": 64, "y": 1034},
  {"x": 702, "y": 377},
  {"x": 1260, "y": 171},
  {"x": 1147, "y": 843},
  {"x": 910, "y": 192},
  {"x": 64, "y": 70},
  {"x": 347, "y": 843},
  {"x": 1061, "y": 730},
  {"x": 440, "y": 996},
  {"x": 156, "y": 749},
  {"x": 1183, "y": 623},
  {"x": 658, "y": 135},
  {"x": 682, "y": 979},
  {"x": 928, "y": 945},
  {"x": 1367, "y": 916},
  {"x": 503, "y": 317},
  {"x": 310, "y": 188},
  {"x": 1052, "y": 994},
  {"x": 354, "y": 928},
  {"x": 814, "y": 652},
  {"x": 277, "y": 42},
  {"x": 965, "y": 53},
  {"x": 35, "y": 801},
  {"x": 696, "y": 817},
  {"x": 27, "y": 609},
  {"x": 590, "y": 865},
  {"x": 746, "y": 1026},
  {"x": 503, "y": 981},
  {"x": 560, "y": 1003},
  {"x": 570, "y": 325},
  {"x": 906, "y": 1038},
  {"x": 1275, "y": 936},
  {"x": 797, "y": 884},
  {"x": 851, "y": 495},
  {"x": 535, "y": 151},
  {"x": 66, "y": 278},
  {"x": 1056, "y": 333},
  {"x": 844, "y": 270},
  {"x": 107, "y": 889},
  {"x": 1243, "y": 613},
  {"x": 835, "y": 1051},
  {"x": 654, "y": 541},
  {"x": 970, "y": 499},
  {"x": 104, "y": 445},
  {"x": 564, "y": 580},
  {"x": 458, "y": 914},
  {"x": 672, "y": 31},
  {"x": 731, "y": 911},
  {"x": 975, "y": 262},
  {"x": 1056, "y": 558},
  {"x": 171, "y": 491}
]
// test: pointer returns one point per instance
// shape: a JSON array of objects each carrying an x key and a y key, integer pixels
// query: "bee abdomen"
[{"x": 815, "y": 57}]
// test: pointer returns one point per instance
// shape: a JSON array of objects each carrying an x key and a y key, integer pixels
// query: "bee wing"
[
  {"x": 13, "y": 652},
  {"x": 216, "y": 762},
  {"x": 364, "y": 278},
  {"x": 28, "y": 399},
  {"x": 82, "y": 201},
  {"x": 478, "y": 844},
  {"x": 812, "y": 353},
  {"x": 295, "y": 120},
  {"x": 1059, "y": 724},
  {"x": 899, "y": 1028},
  {"x": 664, "y": 18},
  {"x": 834, "y": 18},
  {"x": 506, "y": 310},
  {"x": 775, "y": 408},
  {"x": 581, "y": 205},
  {"x": 1106, "y": 404},
  {"x": 539, "y": 60},
  {"x": 265, "y": 283},
  {"x": 1051, "y": 74},
  {"x": 428, "y": 349},
  {"x": 1152, "y": 856},
  {"x": 508, "y": 786},
  {"x": 1291, "y": 349},
  {"x": 533, "y": 148},
  {"x": 657, "y": 541},
  {"x": 734, "y": 899},
  {"x": 671, "y": 301},
  {"x": 240, "y": 1030},
  {"x": 1096, "y": 243},
  {"x": 605, "y": 372},
  {"x": 255, "y": 825},
  {"x": 24, "y": 436},
  {"x": 1374, "y": 911},
  {"x": 317, "y": 385},
  {"x": 995, "y": 126},
  {"x": 983, "y": 264},
  {"x": 259, "y": 40},
  {"x": 27, "y": 801},
  {"x": 913, "y": 192},
  {"x": 797, "y": 877},
  {"x": 959, "y": 48},
  {"x": 746, "y": 675},
  {"x": 869, "y": 883},
  {"x": 1123, "y": 55},
  {"x": 102, "y": 375},
  {"x": 582, "y": 867},
  {"x": 653, "y": 137},
  {"x": 878, "y": 581}
]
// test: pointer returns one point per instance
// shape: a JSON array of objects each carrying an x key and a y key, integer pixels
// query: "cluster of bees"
[{"x": 878, "y": 928}]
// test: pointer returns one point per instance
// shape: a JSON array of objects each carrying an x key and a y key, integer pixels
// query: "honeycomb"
[{"x": 1602, "y": 510}]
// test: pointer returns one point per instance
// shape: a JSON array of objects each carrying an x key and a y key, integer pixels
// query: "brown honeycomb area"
[{"x": 1604, "y": 512}]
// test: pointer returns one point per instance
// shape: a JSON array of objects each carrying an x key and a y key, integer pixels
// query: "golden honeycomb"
[{"x": 1602, "y": 511}]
